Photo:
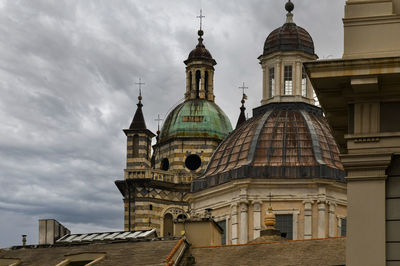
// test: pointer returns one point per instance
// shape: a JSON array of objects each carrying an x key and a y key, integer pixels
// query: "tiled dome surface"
[{"x": 283, "y": 140}]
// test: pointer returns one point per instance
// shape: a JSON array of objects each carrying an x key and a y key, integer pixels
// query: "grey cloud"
[{"x": 67, "y": 74}]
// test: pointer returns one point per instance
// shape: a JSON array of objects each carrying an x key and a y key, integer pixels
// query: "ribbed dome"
[
  {"x": 200, "y": 52},
  {"x": 289, "y": 37},
  {"x": 282, "y": 140},
  {"x": 196, "y": 118}
]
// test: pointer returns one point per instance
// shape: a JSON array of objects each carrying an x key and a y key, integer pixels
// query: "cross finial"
[
  {"x": 243, "y": 88},
  {"x": 158, "y": 119},
  {"x": 201, "y": 18},
  {"x": 140, "y": 83}
]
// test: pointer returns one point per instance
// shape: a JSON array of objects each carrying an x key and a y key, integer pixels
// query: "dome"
[
  {"x": 289, "y": 37},
  {"x": 200, "y": 52},
  {"x": 282, "y": 140},
  {"x": 196, "y": 118}
]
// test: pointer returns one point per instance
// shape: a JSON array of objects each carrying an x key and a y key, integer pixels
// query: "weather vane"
[
  {"x": 140, "y": 83},
  {"x": 201, "y": 18},
  {"x": 243, "y": 88}
]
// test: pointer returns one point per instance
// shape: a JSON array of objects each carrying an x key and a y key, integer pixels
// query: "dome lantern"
[{"x": 285, "y": 50}]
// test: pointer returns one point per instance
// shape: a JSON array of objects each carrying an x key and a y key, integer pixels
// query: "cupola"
[{"x": 285, "y": 50}]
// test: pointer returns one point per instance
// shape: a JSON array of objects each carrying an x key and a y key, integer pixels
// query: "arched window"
[
  {"x": 168, "y": 225},
  {"x": 198, "y": 81},
  {"x": 206, "y": 83},
  {"x": 135, "y": 145},
  {"x": 165, "y": 164},
  {"x": 271, "y": 73}
]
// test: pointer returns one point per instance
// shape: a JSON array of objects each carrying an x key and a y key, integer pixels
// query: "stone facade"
[{"x": 361, "y": 98}]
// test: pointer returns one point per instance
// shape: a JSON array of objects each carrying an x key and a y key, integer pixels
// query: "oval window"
[
  {"x": 193, "y": 162},
  {"x": 165, "y": 164}
]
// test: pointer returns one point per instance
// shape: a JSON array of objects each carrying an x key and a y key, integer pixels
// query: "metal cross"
[
  {"x": 201, "y": 17},
  {"x": 158, "y": 121},
  {"x": 243, "y": 88},
  {"x": 140, "y": 83}
]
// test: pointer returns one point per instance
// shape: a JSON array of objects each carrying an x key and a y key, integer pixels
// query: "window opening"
[
  {"x": 343, "y": 227},
  {"x": 165, "y": 164},
  {"x": 271, "y": 82},
  {"x": 193, "y": 162},
  {"x": 150, "y": 207},
  {"x": 136, "y": 146},
  {"x": 222, "y": 224},
  {"x": 206, "y": 83},
  {"x": 198, "y": 81},
  {"x": 288, "y": 80},
  {"x": 303, "y": 83},
  {"x": 284, "y": 222}
]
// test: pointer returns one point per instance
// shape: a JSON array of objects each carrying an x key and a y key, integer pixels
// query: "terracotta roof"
[
  {"x": 306, "y": 252},
  {"x": 289, "y": 37},
  {"x": 282, "y": 140},
  {"x": 127, "y": 253}
]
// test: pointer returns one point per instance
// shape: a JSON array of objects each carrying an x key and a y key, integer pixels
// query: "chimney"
[
  {"x": 50, "y": 230},
  {"x": 24, "y": 240}
]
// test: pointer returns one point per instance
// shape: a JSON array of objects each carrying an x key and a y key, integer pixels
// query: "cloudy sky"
[{"x": 67, "y": 87}]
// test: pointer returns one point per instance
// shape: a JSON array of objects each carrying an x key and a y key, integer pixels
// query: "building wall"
[
  {"x": 177, "y": 150},
  {"x": 246, "y": 201}
]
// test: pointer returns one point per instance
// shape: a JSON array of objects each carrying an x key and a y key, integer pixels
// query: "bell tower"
[{"x": 200, "y": 71}]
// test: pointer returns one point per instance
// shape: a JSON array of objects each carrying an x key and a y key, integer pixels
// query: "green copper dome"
[{"x": 196, "y": 118}]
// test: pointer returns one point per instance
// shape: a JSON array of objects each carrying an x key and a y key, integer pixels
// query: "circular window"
[
  {"x": 193, "y": 162},
  {"x": 165, "y": 164}
]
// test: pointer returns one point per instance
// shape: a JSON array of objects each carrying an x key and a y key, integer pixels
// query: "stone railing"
[{"x": 158, "y": 175}]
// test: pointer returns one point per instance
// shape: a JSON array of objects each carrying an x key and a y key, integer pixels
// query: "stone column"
[
  {"x": 256, "y": 219},
  {"x": 307, "y": 219},
  {"x": 187, "y": 94},
  {"x": 193, "y": 91},
  {"x": 203, "y": 84},
  {"x": 234, "y": 232},
  {"x": 244, "y": 228},
  {"x": 278, "y": 79},
  {"x": 321, "y": 219},
  {"x": 332, "y": 207}
]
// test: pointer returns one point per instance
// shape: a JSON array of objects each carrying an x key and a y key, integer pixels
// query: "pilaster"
[
  {"x": 256, "y": 219},
  {"x": 307, "y": 219},
  {"x": 321, "y": 218},
  {"x": 234, "y": 215},
  {"x": 244, "y": 228}
]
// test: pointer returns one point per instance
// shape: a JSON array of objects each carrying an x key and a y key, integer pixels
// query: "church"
[{"x": 283, "y": 157}]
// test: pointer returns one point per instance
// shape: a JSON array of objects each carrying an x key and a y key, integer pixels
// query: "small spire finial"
[
  {"x": 270, "y": 219},
  {"x": 289, "y": 6},
  {"x": 140, "y": 83},
  {"x": 244, "y": 88},
  {"x": 158, "y": 119}
]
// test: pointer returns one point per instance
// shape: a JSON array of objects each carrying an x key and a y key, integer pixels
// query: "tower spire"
[
  {"x": 138, "y": 119},
  {"x": 242, "y": 116}
]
